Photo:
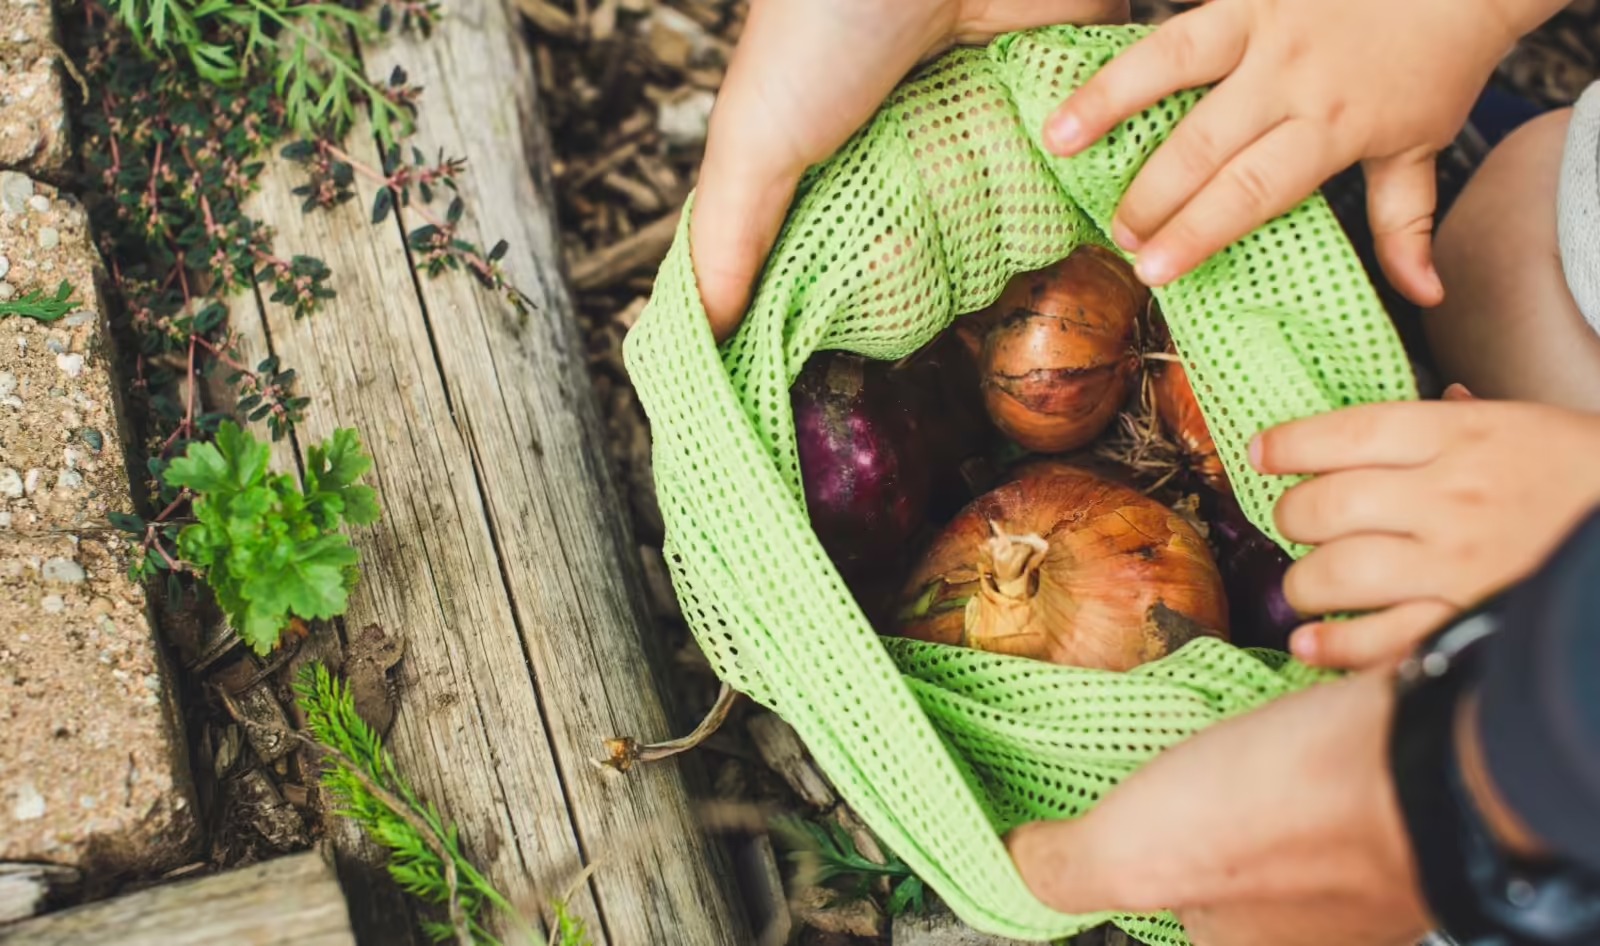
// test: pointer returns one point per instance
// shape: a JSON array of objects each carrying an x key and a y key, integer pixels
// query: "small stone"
[
  {"x": 64, "y": 570},
  {"x": 39, "y": 203},
  {"x": 682, "y": 121},
  {"x": 93, "y": 438},
  {"x": 72, "y": 365},
  {"x": 82, "y": 317},
  {"x": 10, "y": 483},
  {"x": 49, "y": 238},
  {"x": 15, "y": 189},
  {"x": 53, "y": 604},
  {"x": 30, "y": 481},
  {"x": 29, "y": 805},
  {"x": 675, "y": 39},
  {"x": 69, "y": 479},
  {"x": 8, "y": 383},
  {"x": 5, "y": 267},
  {"x": 7, "y": 291}
]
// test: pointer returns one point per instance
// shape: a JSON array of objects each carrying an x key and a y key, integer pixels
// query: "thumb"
[
  {"x": 1401, "y": 198},
  {"x": 1121, "y": 855},
  {"x": 735, "y": 221},
  {"x": 746, "y": 183},
  {"x": 1071, "y": 866}
]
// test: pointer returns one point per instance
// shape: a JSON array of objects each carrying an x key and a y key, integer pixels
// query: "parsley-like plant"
[{"x": 268, "y": 549}]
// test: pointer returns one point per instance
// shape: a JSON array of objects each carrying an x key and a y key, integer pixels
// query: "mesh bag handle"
[{"x": 921, "y": 217}]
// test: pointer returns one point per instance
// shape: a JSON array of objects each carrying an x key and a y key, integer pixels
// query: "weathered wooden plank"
[
  {"x": 522, "y": 399},
  {"x": 503, "y": 555},
  {"x": 288, "y": 901},
  {"x": 469, "y": 730}
]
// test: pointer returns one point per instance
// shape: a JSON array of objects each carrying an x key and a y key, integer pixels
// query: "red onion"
[
  {"x": 863, "y": 459},
  {"x": 1252, "y": 567}
]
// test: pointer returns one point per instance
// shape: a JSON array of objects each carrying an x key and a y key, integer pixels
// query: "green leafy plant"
[
  {"x": 37, "y": 305},
  {"x": 269, "y": 550},
  {"x": 828, "y": 856},
  {"x": 305, "y": 46},
  {"x": 425, "y": 855}
]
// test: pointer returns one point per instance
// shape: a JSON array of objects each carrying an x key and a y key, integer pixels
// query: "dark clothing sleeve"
[{"x": 1539, "y": 699}]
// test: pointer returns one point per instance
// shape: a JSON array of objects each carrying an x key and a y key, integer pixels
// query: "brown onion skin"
[
  {"x": 1125, "y": 581},
  {"x": 1181, "y": 418},
  {"x": 1058, "y": 362}
]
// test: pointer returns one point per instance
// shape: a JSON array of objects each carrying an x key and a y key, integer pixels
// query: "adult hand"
[
  {"x": 1279, "y": 827},
  {"x": 1305, "y": 88},
  {"x": 805, "y": 76},
  {"x": 1420, "y": 509}
]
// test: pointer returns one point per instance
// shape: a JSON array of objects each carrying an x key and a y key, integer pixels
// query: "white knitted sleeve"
[{"x": 1578, "y": 206}]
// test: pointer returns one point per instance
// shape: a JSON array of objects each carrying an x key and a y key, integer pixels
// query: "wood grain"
[
  {"x": 503, "y": 555},
  {"x": 288, "y": 901},
  {"x": 523, "y": 403}
]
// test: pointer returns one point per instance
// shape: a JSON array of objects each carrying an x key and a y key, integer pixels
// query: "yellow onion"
[
  {"x": 1057, "y": 362},
  {"x": 1062, "y": 565},
  {"x": 1181, "y": 418}
]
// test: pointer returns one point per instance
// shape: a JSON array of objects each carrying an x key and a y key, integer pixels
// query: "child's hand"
[
  {"x": 805, "y": 76},
  {"x": 1421, "y": 509},
  {"x": 1307, "y": 88}
]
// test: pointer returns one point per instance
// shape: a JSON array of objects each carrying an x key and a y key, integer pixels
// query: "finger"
[
  {"x": 1402, "y": 193},
  {"x": 1226, "y": 121},
  {"x": 1192, "y": 49},
  {"x": 1349, "y": 502},
  {"x": 1373, "y": 639},
  {"x": 1362, "y": 573},
  {"x": 1398, "y": 434},
  {"x": 1265, "y": 179}
]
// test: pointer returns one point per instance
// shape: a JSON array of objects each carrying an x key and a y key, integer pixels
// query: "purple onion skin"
[
  {"x": 1252, "y": 568},
  {"x": 863, "y": 460}
]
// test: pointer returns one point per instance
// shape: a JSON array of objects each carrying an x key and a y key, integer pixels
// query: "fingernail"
[
  {"x": 1124, "y": 237},
  {"x": 1255, "y": 453},
  {"x": 1153, "y": 269},
  {"x": 1062, "y": 134},
  {"x": 1303, "y": 643}
]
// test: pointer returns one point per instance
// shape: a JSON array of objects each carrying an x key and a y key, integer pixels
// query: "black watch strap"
[
  {"x": 1479, "y": 893},
  {"x": 1423, "y": 758}
]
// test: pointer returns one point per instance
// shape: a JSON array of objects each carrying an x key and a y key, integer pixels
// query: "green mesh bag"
[{"x": 923, "y": 216}]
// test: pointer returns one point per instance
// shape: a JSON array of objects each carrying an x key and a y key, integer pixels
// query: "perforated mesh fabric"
[{"x": 922, "y": 216}]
